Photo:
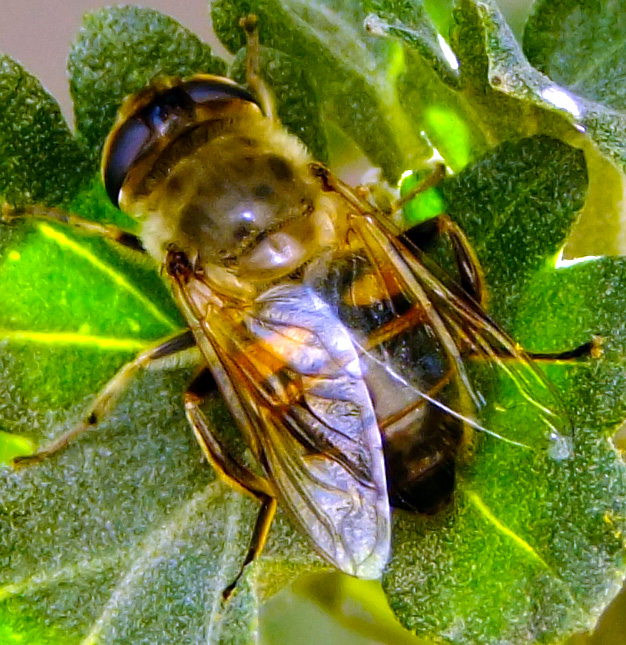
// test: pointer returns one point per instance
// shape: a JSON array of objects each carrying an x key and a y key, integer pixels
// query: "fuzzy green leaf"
[
  {"x": 510, "y": 73},
  {"x": 498, "y": 202},
  {"x": 39, "y": 158},
  {"x": 121, "y": 539},
  {"x": 411, "y": 22},
  {"x": 504, "y": 97},
  {"x": 580, "y": 46}
]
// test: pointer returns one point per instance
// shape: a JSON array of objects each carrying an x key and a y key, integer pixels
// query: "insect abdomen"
[
  {"x": 401, "y": 360},
  {"x": 421, "y": 463}
]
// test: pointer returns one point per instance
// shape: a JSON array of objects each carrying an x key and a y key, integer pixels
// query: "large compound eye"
[
  {"x": 123, "y": 151},
  {"x": 158, "y": 112}
]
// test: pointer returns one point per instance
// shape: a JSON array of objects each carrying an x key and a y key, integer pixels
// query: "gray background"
[{"x": 38, "y": 33}]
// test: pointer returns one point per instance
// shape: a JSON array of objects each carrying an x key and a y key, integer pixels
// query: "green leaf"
[
  {"x": 515, "y": 540},
  {"x": 592, "y": 288},
  {"x": 365, "y": 85},
  {"x": 498, "y": 202},
  {"x": 490, "y": 116},
  {"x": 412, "y": 23},
  {"x": 116, "y": 541},
  {"x": 505, "y": 97},
  {"x": 39, "y": 159},
  {"x": 511, "y": 74},
  {"x": 126, "y": 537},
  {"x": 580, "y": 46}
]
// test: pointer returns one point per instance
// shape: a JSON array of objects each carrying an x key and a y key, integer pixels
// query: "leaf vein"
[
  {"x": 150, "y": 551},
  {"x": 73, "y": 338},
  {"x": 482, "y": 508},
  {"x": 67, "y": 243}
]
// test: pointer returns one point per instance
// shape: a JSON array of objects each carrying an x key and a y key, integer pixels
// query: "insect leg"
[
  {"x": 230, "y": 468},
  {"x": 330, "y": 183},
  {"x": 471, "y": 278},
  {"x": 421, "y": 235},
  {"x": 430, "y": 181},
  {"x": 59, "y": 216},
  {"x": 110, "y": 395},
  {"x": 590, "y": 349},
  {"x": 253, "y": 66}
]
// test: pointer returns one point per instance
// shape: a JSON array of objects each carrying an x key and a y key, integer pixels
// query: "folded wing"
[{"x": 291, "y": 375}]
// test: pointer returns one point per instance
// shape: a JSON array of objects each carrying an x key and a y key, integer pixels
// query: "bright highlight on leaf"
[
  {"x": 561, "y": 99},
  {"x": 449, "y": 133},
  {"x": 478, "y": 503},
  {"x": 424, "y": 206},
  {"x": 121, "y": 281},
  {"x": 60, "y": 338},
  {"x": 11, "y": 446}
]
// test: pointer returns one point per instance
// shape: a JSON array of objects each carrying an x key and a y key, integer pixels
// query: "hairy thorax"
[{"x": 238, "y": 198}]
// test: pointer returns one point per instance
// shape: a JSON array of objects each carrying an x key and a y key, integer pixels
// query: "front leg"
[
  {"x": 59, "y": 216},
  {"x": 253, "y": 66}
]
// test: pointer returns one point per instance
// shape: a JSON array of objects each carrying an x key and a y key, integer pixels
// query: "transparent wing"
[
  {"x": 292, "y": 378},
  {"x": 467, "y": 336}
]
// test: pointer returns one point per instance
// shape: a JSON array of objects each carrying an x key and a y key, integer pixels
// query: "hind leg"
[{"x": 230, "y": 468}]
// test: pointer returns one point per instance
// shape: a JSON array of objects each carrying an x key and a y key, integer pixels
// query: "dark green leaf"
[
  {"x": 499, "y": 202},
  {"x": 121, "y": 539},
  {"x": 489, "y": 115},
  {"x": 581, "y": 46},
  {"x": 507, "y": 98},
  {"x": 39, "y": 159}
]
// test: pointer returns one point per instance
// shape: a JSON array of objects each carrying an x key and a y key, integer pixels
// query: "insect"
[{"x": 341, "y": 355}]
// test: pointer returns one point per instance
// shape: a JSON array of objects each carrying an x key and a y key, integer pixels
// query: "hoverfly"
[{"x": 340, "y": 353}]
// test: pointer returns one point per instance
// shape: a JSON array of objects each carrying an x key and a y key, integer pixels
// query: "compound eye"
[
  {"x": 165, "y": 112},
  {"x": 206, "y": 90},
  {"x": 129, "y": 141},
  {"x": 164, "y": 107}
]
